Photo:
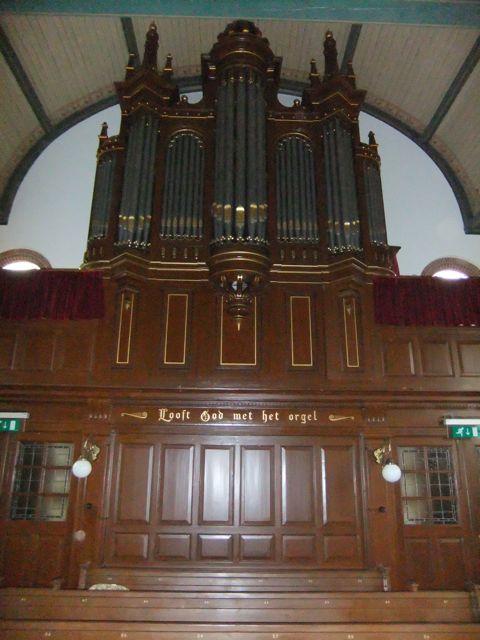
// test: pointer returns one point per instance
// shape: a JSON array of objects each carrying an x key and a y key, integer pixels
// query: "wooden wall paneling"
[
  {"x": 469, "y": 357},
  {"x": 215, "y": 546},
  {"x": 177, "y": 329},
  {"x": 37, "y": 349},
  {"x": 297, "y": 485},
  {"x": 257, "y": 492},
  {"x": 176, "y": 484},
  {"x": 436, "y": 355},
  {"x": 238, "y": 346},
  {"x": 134, "y": 483},
  {"x": 173, "y": 546},
  {"x": 350, "y": 314},
  {"x": 301, "y": 332},
  {"x": 8, "y": 341},
  {"x": 469, "y": 457},
  {"x": 398, "y": 357},
  {"x": 19, "y": 553},
  {"x": 127, "y": 301},
  {"x": 450, "y": 556},
  {"x": 342, "y": 527},
  {"x": 216, "y": 494},
  {"x": 76, "y": 347},
  {"x": 381, "y": 511}
]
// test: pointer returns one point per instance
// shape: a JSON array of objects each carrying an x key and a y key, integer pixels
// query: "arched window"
[
  {"x": 296, "y": 197},
  {"x": 451, "y": 269},
  {"x": 23, "y": 260},
  {"x": 182, "y": 215}
]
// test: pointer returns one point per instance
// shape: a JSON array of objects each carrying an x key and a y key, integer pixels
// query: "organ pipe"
[
  {"x": 342, "y": 209},
  {"x": 296, "y": 199},
  {"x": 136, "y": 204},
  {"x": 183, "y": 193},
  {"x": 102, "y": 195},
  {"x": 375, "y": 208},
  {"x": 239, "y": 210}
]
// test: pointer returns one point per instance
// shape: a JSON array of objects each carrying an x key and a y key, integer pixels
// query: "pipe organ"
[
  {"x": 240, "y": 426},
  {"x": 238, "y": 179}
]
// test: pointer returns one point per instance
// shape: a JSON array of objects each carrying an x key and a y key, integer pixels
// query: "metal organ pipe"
[
  {"x": 252, "y": 157},
  {"x": 240, "y": 179},
  {"x": 102, "y": 194},
  {"x": 183, "y": 195},
  {"x": 136, "y": 204},
  {"x": 376, "y": 211}
]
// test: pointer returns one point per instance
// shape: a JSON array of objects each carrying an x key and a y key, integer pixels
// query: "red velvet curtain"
[
  {"x": 427, "y": 301},
  {"x": 51, "y": 294}
]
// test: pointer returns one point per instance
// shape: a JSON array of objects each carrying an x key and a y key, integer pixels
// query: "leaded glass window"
[
  {"x": 41, "y": 481},
  {"x": 428, "y": 485}
]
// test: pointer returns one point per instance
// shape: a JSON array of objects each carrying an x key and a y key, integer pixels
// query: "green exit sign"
[
  {"x": 11, "y": 424},
  {"x": 461, "y": 431}
]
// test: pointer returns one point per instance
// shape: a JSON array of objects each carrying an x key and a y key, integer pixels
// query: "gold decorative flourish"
[
  {"x": 140, "y": 416},
  {"x": 333, "y": 418}
]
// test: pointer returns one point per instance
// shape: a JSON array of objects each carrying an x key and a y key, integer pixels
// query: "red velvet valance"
[
  {"x": 427, "y": 301},
  {"x": 51, "y": 294}
]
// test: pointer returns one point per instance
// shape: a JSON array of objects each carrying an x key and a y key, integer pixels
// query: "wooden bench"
[
  {"x": 236, "y": 581},
  {"x": 28, "y": 630},
  {"x": 237, "y": 608}
]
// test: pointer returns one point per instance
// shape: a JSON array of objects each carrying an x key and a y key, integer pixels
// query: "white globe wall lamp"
[
  {"x": 391, "y": 472},
  {"x": 83, "y": 466}
]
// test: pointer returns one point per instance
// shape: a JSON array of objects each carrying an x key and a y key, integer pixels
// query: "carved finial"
[
  {"x": 104, "y": 130},
  {"x": 331, "y": 56},
  {"x": 151, "y": 48},
  {"x": 103, "y": 134},
  {"x": 314, "y": 75},
  {"x": 371, "y": 138},
  {"x": 168, "y": 69}
]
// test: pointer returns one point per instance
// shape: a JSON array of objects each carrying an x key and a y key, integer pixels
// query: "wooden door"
[
  {"x": 36, "y": 509},
  {"x": 437, "y": 527}
]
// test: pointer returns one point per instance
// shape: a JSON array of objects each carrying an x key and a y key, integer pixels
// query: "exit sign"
[
  {"x": 461, "y": 431},
  {"x": 12, "y": 420},
  {"x": 11, "y": 424}
]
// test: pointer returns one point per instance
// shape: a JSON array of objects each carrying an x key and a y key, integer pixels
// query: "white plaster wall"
[{"x": 51, "y": 211}]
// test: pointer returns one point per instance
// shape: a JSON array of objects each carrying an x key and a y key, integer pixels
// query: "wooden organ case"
[{"x": 238, "y": 383}]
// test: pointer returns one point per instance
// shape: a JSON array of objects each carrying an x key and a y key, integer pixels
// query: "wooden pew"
[
  {"x": 237, "y": 608},
  {"x": 241, "y": 582},
  {"x": 28, "y": 630}
]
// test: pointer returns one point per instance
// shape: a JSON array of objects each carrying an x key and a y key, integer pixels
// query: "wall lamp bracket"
[
  {"x": 391, "y": 472},
  {"x": 89, "y": 453}
]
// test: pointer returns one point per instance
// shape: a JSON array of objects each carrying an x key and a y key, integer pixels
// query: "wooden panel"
[
  {"x": 52, "y": 547},
  {"x": 436, "y": 358},
  {"x": 257, "y": 547},
  {"x": 469, "y": 355},
  {"x": 339, "y": 548},
  {"x": 134, "y": 484},
  {"x": 7, "y": 350},
  {"x": 257, "y": 485},
  {"x": 77, "y": 351},
  {"x": 398, "y": 358},
  {"x": 217, "y": 485},
  {"x": 299, "y": 548},
  {"x": 176, "y": 329},
  {"x": 132, "y": 546},
  {"x": 176, "y": 482},
  {"x": 419, "y": 562},
  {"x": 338, "y": 485},
  {"x": 125, "y": 315},
  {"x": 172, "y": 546},
  {"x": 219, "y": 547},
  {"x": 451, "y": 563},
  {"x": 350, "y": 313},
  {"x": 18, "y": 555},
  {"x": 38, "y": 351},
  {"x": 297, "y": 485},
  {"x": 238, "y": 345},
  {"x": 301, "y": 342}
]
